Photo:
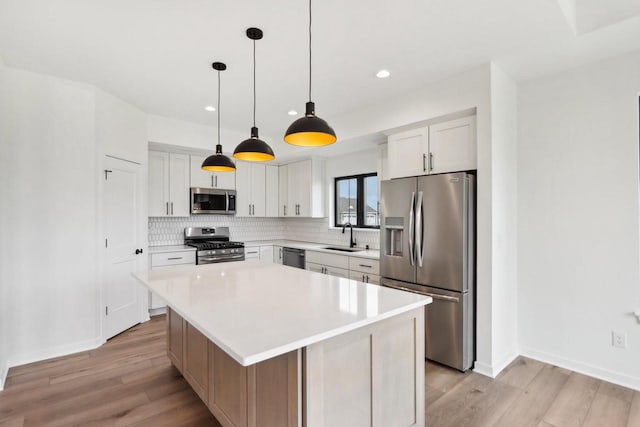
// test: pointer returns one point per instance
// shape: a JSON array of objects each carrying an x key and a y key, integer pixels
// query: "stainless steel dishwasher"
[{"x": 293, "y": 257}]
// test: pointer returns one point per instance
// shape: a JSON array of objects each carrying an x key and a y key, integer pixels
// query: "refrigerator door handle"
[
  {"x": 419, "y": 233},
  {"x": 411, "y": 229},
  {"x": 442, "y": 297}
]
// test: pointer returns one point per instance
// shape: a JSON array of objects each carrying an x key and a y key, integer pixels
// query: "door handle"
[
  {"x": 167, "y": 208},
  {"x": 212, "y": 184},
  {"x": 411, "y": 228},
  {"x": 367, "y": 279},
  {"x": 424, "y": 162},
  {"x": 430, "y": 162},
  {"x": 171, "y": 208},
  {"x": 419, "y": 246},
  {"x": 284, "y": 210},
  {"x": 138, "y": 251},
  {"x": 216, "y": 182}
]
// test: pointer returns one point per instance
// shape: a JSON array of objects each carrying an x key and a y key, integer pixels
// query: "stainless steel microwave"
[{"x": 213, "y": 201}]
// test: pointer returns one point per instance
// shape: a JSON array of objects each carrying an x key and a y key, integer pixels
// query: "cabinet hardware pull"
[
  {"x": 171, "y": 208},
  {"x": 364, "y": 265},
  {"x": 424, "y": 162},
  {"x": 363, "y": 278},
  {"x": 367, "y": 279},
  {"x": 216, "y": 182},
  {"x": 167, "y": 208},
  {"x": 430, "y": 161},
  {"x": 174, "y": 258},
  {"x": 212, "y": 181},
  {"x": 284, "y": 210}
]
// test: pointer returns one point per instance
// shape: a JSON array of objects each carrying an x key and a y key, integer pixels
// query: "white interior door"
[{"x": 120, "y": 206}]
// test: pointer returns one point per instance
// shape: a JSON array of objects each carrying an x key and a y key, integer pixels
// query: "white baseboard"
[
  {"x": 3, "y": 376},
  {"x": 492, "y": 371},
  {"x": 50, "y": 353},
  {"x": 157, "y": 311},
  {"x": 583, "y": 368}
]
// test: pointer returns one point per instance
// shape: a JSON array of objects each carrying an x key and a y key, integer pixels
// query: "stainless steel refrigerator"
[{"x": 427, "y": 245}]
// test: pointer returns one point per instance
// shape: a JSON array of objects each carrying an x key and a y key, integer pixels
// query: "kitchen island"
[{"x": 269, "y": 345}]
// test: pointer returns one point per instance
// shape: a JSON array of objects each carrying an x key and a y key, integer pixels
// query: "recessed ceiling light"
[
  {"x": 292, "y": 113},
  {"x": 210, "y": 108},
  {"x": 383, "y": 74}
]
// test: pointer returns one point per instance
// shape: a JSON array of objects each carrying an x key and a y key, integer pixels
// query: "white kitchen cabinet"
[
  {"x": 168, "y": 184},
  {"x": 266, "y": 253},
  {"x": 283, "y": 193},
  {"x": 204, "y": 179},
  {"x": 250, "y": 189},
  {"x": 277, "y": 254},
  {"x": 364, "y": 277},
  {"x": 271, "y": 191},
  {"x": 443, "y": 147},
  {"x": 305, "y": 189},
  {"x": 452, "y": 145},
  {"x": 252, "y": 253},
  {"x": 408, "y": 153},
  {"x": 327, "y": 269},
  {"x": 165, "y": 260}
]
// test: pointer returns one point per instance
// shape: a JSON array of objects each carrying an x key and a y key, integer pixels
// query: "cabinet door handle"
[
  {"x": 424, "y": 162},
  {"x": 212, "y": 181},
  {"x": 430, "y": 161},
  {"x": 167, "y": 208},
  {"x": 364, "y": 265},
  {"x": 249, "y": 208},
  {"x": 367, "y": 279},
  {"x": 363, "y": 279},
  {"x": 284, "y": 210},
  {"x": 216, "y": 182},
  {"x": 174, "y": 258},
  {"x": 171, "y": 208}
]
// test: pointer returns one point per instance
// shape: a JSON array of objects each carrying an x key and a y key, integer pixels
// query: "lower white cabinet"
[
  {"x": 164, "y": 260},
  {"x": 277, "y": 254},
  {"x": 364, "y": 277},
  {"x": 266, "y": 253},
  {"x": 252, "y": 253},
  {"x": 327, "y": 269}
]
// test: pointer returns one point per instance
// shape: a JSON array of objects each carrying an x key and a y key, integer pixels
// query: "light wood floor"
[{"x": 130, "y": 382}]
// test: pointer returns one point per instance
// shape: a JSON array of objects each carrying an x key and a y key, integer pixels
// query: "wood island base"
[{"x": 371, "y": 376}]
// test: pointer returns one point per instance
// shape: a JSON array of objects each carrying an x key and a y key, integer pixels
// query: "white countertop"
[
  {"x": 318, "y": 247},
  {"x": 172, "y": 248},
  {"x": 255, "y": 310}
]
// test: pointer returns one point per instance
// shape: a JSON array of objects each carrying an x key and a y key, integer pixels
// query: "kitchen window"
[{"x": 356, "y": 201}]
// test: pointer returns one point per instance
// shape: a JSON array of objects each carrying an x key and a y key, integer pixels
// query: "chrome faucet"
[{"x": 352, "y": 242}]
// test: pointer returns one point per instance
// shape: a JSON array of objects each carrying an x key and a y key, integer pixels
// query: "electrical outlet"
[{"x": 619, "y": 339}]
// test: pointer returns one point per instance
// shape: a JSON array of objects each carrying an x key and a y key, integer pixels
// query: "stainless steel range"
[{"x": 213, "y": 245}]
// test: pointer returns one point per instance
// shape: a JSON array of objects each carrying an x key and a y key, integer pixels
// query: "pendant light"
[
  {"x": 254, "y": 149},
  {"x": 218, "y": 162},
  {"x": 310, "y": 130}
]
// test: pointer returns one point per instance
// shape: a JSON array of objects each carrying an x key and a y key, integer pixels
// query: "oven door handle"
[{"x": 218, "y": 258}]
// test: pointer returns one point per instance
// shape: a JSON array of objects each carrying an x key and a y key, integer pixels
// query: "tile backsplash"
[{"x": 170, "y": 231}]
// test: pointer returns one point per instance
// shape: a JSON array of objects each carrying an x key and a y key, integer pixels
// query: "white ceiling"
[{"x": 156, "y": 54}]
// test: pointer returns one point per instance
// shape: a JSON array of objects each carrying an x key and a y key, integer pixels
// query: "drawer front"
[
  {"x": 337, "y": 272},
  {"x": 333, "y": 260},
  {"x": 252, "y": 253},
  {"x": 364, "y": 265},
  {"x": 364, "y": 277},
  {"x": 173, "y": 258}
]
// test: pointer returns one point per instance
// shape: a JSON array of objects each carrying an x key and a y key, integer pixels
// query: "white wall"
[
  {"x": 4, "y": 247},
  {"x": 504, "y": 247},
  {"x": 50, "y": 210},
  {"x": 578, "y": 218}
]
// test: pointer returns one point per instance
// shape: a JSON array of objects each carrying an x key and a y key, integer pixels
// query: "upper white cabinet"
[
  {"x": 304, "y": 190},
  {"x": 283, "y": 191},
  {"x": 407, "y": 153},
  {"x": 203, "y": 179},
  {"x": 272, "y": 191},
  {"x": 251, "y": 189},
  {"x": 452, "y": 145},
  {"x": 444, "y": 147},
  {"x": 168, "y": 184}
]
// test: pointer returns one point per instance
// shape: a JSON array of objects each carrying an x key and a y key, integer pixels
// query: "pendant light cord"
[
  {"x": 309, "y": 50},
  {"x": 254, "y": 83},
  {"x": 218, "y": 107}
]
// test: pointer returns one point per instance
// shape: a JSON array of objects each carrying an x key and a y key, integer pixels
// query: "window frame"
[{"x": 360, "y": 200}]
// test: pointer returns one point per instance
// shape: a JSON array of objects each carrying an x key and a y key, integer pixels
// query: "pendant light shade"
[
  {"x": 218, "y": 162},
  {"x": 254, "y": 149},
  {"x": 310, "y": 130}
]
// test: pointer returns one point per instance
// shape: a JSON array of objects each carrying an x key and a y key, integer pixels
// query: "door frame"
[{"x": 142, "y": 219}]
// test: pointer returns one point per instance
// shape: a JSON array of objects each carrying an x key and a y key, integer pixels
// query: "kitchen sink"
[{"x": 337, "y": 248}]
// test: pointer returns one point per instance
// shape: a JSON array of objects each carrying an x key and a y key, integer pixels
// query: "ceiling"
[{"x": 157, "y": 54}]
